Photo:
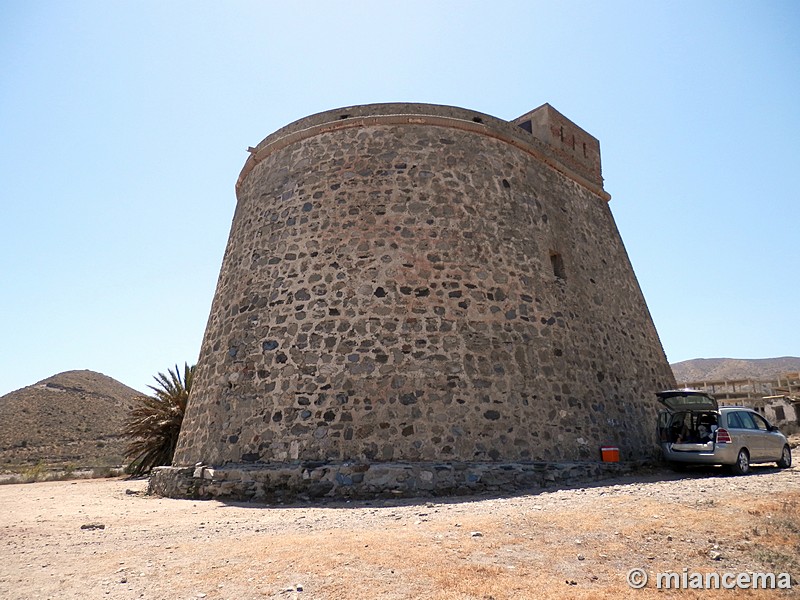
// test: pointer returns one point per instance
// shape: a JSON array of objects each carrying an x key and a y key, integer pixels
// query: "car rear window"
[
  {"x": 747, "y": 420},
  {"x": 734, "y": 421}
]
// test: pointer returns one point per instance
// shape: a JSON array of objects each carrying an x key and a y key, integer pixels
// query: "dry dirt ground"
[{"x": 107, "y": 539}]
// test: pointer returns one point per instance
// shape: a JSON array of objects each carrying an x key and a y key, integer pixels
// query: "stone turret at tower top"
[{"x": 574, "y": 147}]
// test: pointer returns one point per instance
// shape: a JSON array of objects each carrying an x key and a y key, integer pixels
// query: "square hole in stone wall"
[{"x": 557, "y": 262}]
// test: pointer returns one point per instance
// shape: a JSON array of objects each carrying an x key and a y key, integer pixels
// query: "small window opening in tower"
[
  {"x": 584, "y": 149},
  {"x": 561, "y": 135},
  {"x": 344, "y": 116},
  {"x": 477, "y": 119},
  {"x": 557, "y": 263},
  {"x": 527, "y": 126}
]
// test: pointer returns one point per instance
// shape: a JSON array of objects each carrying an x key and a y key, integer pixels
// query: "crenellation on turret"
[{"x": 573, "y": 146}]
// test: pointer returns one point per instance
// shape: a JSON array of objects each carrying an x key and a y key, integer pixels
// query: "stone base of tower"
[{"x": 289, "y": 482}]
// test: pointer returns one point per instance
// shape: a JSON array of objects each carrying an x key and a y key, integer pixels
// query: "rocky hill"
[
  {"x": 70, "y": 419},
  {"x": 727, "y": 369}
]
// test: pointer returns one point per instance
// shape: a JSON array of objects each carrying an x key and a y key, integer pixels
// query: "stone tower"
[{"x": 412, "y": 296}]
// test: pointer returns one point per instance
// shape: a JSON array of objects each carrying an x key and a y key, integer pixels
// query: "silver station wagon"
[{"x": 694, "y": 429}]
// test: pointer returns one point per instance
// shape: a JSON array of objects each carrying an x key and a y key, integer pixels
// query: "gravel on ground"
[{"x": 108, "y": 539}]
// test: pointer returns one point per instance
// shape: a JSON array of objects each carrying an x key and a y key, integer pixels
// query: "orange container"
[{"x": 609, "y": 453}]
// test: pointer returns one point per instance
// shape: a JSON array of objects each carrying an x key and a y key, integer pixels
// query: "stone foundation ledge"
[{"x": 288, "y": 482}]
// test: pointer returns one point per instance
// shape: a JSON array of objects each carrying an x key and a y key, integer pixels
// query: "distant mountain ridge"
[
  {"x": 72, "y": 418},
  {"x": 729, "y": 369}
]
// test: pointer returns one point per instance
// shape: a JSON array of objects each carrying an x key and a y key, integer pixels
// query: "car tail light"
[{"x": 723, "y": 437}]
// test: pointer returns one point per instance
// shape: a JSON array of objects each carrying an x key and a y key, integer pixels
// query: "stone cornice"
[{"x": 532, "y": 146}]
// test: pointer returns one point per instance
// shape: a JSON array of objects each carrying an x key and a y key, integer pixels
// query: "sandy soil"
[{"x": 107, "y": 539}]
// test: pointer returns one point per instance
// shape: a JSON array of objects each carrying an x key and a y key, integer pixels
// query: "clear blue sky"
[{"x": 124, "y": 125}]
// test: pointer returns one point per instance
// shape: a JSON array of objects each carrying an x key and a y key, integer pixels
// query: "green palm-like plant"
[{"x": 154, "y": 424}]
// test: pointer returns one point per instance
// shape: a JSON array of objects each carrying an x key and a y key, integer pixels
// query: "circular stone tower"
[{"x": 418, "y": 298}]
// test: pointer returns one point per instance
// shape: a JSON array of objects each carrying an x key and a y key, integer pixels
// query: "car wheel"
[
  {"x": 742, "y": 465},
  {"x": 786, "y": 458}
]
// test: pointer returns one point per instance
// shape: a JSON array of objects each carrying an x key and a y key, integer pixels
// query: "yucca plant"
[{"x": 155, "y": 422}]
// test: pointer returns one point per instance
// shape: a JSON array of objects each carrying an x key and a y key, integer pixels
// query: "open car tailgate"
[{"x": 689, "y": 400}]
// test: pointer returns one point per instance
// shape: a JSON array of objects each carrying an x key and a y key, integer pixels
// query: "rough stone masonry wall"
[
  {"x": 287, "y": 482},
  {"x": 388, "y": 294}
]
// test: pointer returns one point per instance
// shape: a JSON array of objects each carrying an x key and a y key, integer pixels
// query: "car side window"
[
  {"x": 760, "y": 422},
  {"x": 734, "y": 422},
  {"x": 747, "y": 420}
]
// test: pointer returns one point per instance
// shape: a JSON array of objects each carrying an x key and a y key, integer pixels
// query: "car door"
[
  {"x": 772, "y": 441},
  {"x": 747, "y": 433}
]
